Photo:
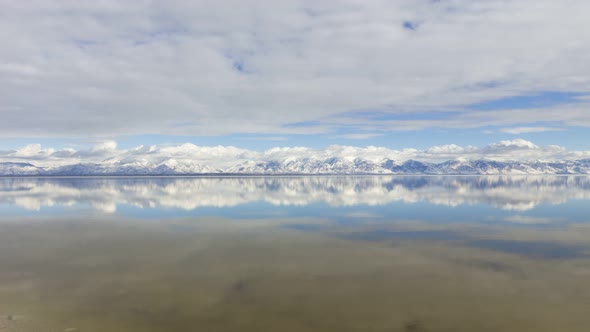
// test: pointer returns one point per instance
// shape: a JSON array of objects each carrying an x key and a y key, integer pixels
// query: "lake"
[{"x": 308, "y": 253}]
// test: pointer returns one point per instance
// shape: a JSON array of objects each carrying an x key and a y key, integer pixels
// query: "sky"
[{"x": 259, "y": 75}]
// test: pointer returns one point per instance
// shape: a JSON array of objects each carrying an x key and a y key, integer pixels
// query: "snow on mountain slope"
[
  {"x": 10, "y": 168},
  {"x": 303, "y": 166}
]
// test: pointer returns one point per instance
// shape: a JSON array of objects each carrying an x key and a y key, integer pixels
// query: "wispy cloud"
[
  {"x": 526, "y": 130},
  {"x": 360, "y": 135},
  {"x": 266, "y": 138},
  {"x": 134, "y": 67}
]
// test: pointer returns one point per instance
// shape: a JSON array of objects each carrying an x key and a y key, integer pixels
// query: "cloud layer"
[
  {"x": 109, "y": 68},
  {"x": 222, "y": 157}
]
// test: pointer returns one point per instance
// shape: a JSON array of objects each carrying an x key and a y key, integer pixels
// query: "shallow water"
[{"x": 295, "y": 254}]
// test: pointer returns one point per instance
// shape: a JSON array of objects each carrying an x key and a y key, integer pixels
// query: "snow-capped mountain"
[
  {"x": 168, "y": 167},
  {"x": 15, "y": 169},
  {"x": 302, "y": 166}
]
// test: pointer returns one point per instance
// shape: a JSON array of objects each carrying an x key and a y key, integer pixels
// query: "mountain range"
[{"x": 304, "y": 166}]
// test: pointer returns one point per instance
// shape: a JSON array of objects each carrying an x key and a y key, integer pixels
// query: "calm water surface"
[{"x": 295, "y": 254}]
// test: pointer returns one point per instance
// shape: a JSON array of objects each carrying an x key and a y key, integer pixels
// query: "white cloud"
[
  {"x": 33, "y": 151},
  {"x": 360, "y": 135},
  {"x": 104, "y": 146},
  {"x": 189, "y": 155},
  {"x": 446, "y": 149},
  {"x": 111, "y": 68},
  {"x": 526, "y": 130},
  {"x": 517, "y": 144}
]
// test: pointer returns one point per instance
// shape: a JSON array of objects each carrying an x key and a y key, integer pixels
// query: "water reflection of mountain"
[{"x": 506, "y": 192}]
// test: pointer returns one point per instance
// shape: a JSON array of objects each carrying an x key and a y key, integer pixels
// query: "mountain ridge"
[{"x": 304, "y": 166}]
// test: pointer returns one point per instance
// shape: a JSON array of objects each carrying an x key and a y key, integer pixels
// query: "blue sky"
[
  {"x": 572, "y": 137},
  {"x": 396, "y": 74}
]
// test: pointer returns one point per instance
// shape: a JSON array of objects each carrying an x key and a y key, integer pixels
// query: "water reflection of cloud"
[{"x": 513, "y": 193}]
